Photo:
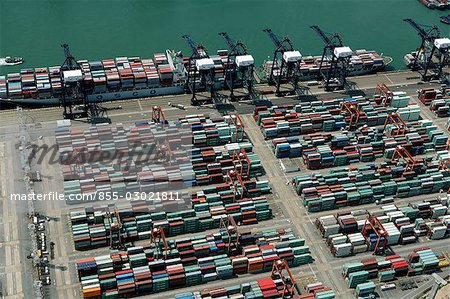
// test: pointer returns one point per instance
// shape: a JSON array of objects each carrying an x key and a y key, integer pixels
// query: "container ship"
[
  {"x": 438, "y": 4},
  {"x": 362, "y": 62},
  {"x": 132, "y": 77}
]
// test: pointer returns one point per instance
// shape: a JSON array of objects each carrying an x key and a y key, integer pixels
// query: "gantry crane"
[
  {"x": 285, "y": 65},
  {"x": 432, "y": 46},
  {"x": 335, "y": 73},
  {"x": 236, "y": 120},
  {"x": 156, "y": 237},
  {"x": 394, "y": 118},
  {"x": 228, "y": 224},
  {"x": 241, "y": 163},
  {"x": 239, "y": 69},
  {"x": 383, "y": 94},
  {"x": 158, "y": 115},
  {"x": 405, "y": 155},
  {"x": 200, "y": 73},
  {"x": 74, "y": 92},
  {"x": 115, "y": 233},
  {"x": 353, "y": 111},
  {"x": 234, "y": 179},
  {"x": 73, "y": 89},
  {"x": 373, "y": 225},
  {"x": 289, "y": 283}
]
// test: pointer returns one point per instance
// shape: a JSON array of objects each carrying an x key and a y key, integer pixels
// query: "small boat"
[
  {"x": 445, "y": 19},
  {"x": 11, "y": 60}
]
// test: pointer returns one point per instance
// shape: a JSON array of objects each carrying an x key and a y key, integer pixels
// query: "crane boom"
[
  {"x": 230, "y": 43},
  {"x": 433, "y": 31},
  {"x": 328, "y": 39},
  {"x": 279, "y": 44},
  {"x": 194, "y": 47}
]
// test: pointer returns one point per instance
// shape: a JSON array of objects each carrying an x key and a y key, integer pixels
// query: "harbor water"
[{"x": 34, "y": 29}]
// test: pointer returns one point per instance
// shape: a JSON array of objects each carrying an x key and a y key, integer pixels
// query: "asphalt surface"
[{"x": 16, "y": 272}]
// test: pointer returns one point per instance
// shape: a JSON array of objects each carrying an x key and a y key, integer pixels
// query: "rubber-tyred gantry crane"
[
  {"x": 394, "y": 118},
  {"x": 200, "y": 73},
  {"x": 238, "y": 71},
  {"x": 335, "y": 72},
  {"x": 158, "y": 115},
  {"x": 374, "y": 225},
  {"x": 383, "y": 94},
  {"x": 353, "y": 111},
  {"x": 234, "y": 179},
  {"x": 115, "y": 233},
  {"x": 289, "y": 283},
  {"x": 433, "y": 53},
  {"x": 236, "y": 120},
  {"x": 228, "y": 224},
  {"x": 241, "y": 163},
  {"x": 285, "y": 65},
  {"x": 157, "y": 236},
  {"x": 402, "y": 153}
]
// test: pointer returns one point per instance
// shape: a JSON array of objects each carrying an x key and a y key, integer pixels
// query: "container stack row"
[
  {"x": 91, "y": 226},
  {"x": 189, "y": 261},
  {"x": 344, "y": 231},
  {"x": 321, "y": 150},
  {"x": 437, "y": 99},
  {"x": 369, "y": 183},
  {"x": 420, "y": 261}
]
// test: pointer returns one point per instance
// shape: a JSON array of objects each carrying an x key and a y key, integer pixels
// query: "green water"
[{"x": 34, "y": 29}]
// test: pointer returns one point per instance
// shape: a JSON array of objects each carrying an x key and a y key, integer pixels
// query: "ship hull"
[{"x": 103, "y": 97}]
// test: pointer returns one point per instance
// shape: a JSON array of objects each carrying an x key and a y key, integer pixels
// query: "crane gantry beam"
[
  {"x": 433, "y": 53},
  {"x": 239, "y": 69},
  {"x": 285, "y": 65},
  {"x": 334, "y": 74},
  {"x": 200, "y": 68}
]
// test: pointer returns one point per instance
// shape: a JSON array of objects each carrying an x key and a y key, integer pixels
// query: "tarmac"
[{"x": 16, "y": 271}]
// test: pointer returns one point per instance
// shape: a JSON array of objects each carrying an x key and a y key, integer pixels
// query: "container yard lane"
[{"x": 16, "y": 271}]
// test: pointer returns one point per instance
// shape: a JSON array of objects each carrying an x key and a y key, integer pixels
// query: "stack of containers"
[
  {"x": 43, "y": 83},
  {"x": 29, "y": 89},
  {"x": 3, "y": 90},
  {"x": 422, "y": 261},
  {"x": 140, "y": 77},
  {"x": 165, "y": 72},
  {"x": 317, "y": 290},
  {"x": 367, "y": 184},
  {"x": 112, "y": 75},
  {"x": 206, "y": 256},
  {"x": 151, "y": 72},
  {"x": 91, "y": 225},
  {"x": 55, "y": 80},
  {"x": 263, "y": 288},
  {"x": 441, "y": 107},
  {"x": 98, "y": 77},
  {"x": 365, "y": 289}
]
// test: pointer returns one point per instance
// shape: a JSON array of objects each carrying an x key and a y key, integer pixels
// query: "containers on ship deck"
[{"x": 108, "y": 75}]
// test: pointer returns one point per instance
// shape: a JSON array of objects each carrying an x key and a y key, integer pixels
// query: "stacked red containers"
[{"x": 399, "y": 264}]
